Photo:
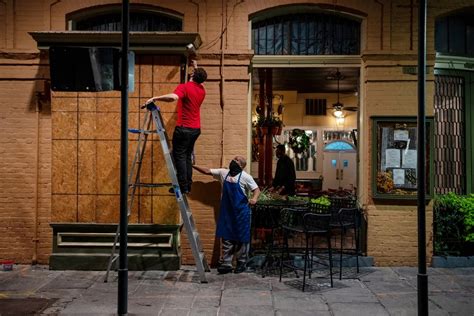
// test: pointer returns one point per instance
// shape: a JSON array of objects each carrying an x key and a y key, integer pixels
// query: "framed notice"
[{"x": 395, "y": 157}]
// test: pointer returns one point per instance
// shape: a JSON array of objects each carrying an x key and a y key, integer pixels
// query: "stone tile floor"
[{"x": 374, "y": 291}]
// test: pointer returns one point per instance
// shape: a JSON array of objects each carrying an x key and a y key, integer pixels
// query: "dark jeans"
[{"x": 183, "y": 146}]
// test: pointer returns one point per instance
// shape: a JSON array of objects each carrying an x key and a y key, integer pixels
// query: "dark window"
[
  {"x": 306, "y": 34},
  {"x": 139, "y": 22},
  {"x": 316, "y": 107},
  {"x": 450, "y": 170},
  {"x": 454, "y": 35}
]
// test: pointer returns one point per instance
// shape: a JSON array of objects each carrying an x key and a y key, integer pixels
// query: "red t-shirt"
[{"x": 191, "y": 95}]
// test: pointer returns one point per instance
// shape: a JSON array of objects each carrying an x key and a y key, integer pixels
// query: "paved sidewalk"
[{"x": 375, "y": 291}]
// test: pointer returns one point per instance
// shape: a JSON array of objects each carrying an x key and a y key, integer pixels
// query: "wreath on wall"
[{"x": 299, "y": 141}]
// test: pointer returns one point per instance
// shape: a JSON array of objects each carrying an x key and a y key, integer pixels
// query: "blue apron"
[{"x": 234, "y": 217}]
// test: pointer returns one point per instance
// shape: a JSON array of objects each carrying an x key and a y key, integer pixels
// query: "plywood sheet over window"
[{"x": 86, "y": 149}]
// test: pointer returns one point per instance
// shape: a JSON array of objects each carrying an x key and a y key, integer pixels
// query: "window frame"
[{"x": 375, "y": 121}]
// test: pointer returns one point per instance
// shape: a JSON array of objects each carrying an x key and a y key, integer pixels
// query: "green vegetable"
[{"x": 322, "y": 200}]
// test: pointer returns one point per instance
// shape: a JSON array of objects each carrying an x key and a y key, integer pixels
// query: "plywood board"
[
  {"x": 144, "y": 90},
  {"x": 108, "y": 104},
  {"x": 64, "y": 125},
  {"x": 64, "y": 94},
  {"x": 167, "y": 69},
  {"x": 169, "y": 122},
  {"x": 159, "y": 168},
  {"x": 87, "y": 125},
  {"x": 145, "y": 172},
  {"x": 64, "y": 166},
  {"x": 145, "y": 209},
  {"x": 64, "y": 104},
  {"x": 145, "y": 69},
  {"x": 87, "y": 104},
  {"x": 165, "y": 210},
  {"x": 87, "y": 167},
  {"x": 63, "y": 208},
  {"x": 134, "y": 104},
  {"x": 108, "y": 167},
  {"x": 108, "y": 125},
  {"x": 87, "y": 208},
  {"x": 108, "y": 209}
]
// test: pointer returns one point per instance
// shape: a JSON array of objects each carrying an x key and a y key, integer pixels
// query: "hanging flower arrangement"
[{"x": 299, "y": 141}]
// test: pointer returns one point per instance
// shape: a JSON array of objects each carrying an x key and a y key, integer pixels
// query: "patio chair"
[
  {"x": 348, "y": 219},
  {"x": 312, "y": 225}
]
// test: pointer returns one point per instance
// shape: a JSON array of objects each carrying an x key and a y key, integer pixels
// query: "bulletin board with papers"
[{"x": 395, "y": 157}]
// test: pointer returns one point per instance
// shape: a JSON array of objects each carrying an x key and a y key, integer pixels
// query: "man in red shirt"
[{"x": 190, "y": 96}]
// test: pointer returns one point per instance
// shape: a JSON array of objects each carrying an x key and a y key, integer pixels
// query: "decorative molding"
[
  {"x": 172, "y": 42},
  {"x": 304, "y": 61},
  {"x": 85, "y": 236}
]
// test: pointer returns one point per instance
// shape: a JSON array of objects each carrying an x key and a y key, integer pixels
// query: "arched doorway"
[{"x": 339, "y": 161}]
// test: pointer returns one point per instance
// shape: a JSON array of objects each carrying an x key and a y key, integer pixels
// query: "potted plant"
[
  {"x": 277, "y": 124},
  {"x": 260, "y": 125}
]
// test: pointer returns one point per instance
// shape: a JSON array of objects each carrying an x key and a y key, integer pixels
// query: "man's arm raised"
[{"x": 203, "y": 170}]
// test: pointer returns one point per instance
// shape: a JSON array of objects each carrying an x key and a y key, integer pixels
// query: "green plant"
[
  {"x": 268, "y": 121},
  {"x": 454, "y": 223},
  {"x": 267, "y": 195},
  {"x": 299, "y": 141},
  {"x": 275, "y": 121}
]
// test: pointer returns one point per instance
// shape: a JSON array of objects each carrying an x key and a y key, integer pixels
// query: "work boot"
[
  {"x": 224, "y": 268},
  {"x": 240, "y": 268}
]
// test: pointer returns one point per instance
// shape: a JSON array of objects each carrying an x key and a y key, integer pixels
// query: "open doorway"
[{"x": 311, "y": 111}]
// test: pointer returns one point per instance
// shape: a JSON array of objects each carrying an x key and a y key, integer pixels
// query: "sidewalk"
[{"x": 375, "y": 291}]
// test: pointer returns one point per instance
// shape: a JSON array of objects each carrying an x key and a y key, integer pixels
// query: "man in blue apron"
[{"x": 233, "y": 225}]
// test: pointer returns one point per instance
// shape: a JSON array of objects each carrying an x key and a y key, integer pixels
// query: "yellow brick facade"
[{"x": 29, "y": 126}]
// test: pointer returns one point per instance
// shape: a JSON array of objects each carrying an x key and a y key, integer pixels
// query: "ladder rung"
[
  {"x": 138, "y": 131},
  {"x": 151, "y": 185}
]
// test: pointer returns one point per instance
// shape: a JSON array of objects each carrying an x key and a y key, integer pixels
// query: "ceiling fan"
[{"x": 338, "y": 107}]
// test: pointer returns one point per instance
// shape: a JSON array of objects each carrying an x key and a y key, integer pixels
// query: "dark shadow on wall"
[
  {"x": 209, "y": 193},
  {"x": 40, "y": 99}
]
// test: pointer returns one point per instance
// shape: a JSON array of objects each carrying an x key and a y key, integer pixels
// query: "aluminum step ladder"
[{"x": 153, "y": 114}]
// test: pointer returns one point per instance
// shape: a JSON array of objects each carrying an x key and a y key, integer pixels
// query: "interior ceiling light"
[
  {"x": 338, "y": 107},
  {"x": 338, "y": 110}
]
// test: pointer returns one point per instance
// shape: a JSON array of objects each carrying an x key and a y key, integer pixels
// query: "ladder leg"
[
  {"x": 186, "y": 214},
  {"x": 112, "y": 257},
  {"x": 136, "y": 164}
]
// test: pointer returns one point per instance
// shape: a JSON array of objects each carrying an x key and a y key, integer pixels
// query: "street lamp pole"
[
  {"x": 422, "y": 278},
  {"x": 122, "y": 305}
]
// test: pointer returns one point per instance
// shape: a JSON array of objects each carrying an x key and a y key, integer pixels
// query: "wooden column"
[
  {"x": 269, "y": 135},
  {"x": 261, "y": 144}
]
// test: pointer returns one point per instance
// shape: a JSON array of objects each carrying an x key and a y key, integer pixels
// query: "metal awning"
[{"x": 158, "y": 42}]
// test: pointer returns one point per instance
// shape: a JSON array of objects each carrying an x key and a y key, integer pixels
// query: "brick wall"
[{"x": 389, "y": 35}]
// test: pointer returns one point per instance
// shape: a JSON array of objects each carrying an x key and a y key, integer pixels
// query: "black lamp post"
[
  {"x": 122, "y": 305},
  {"x": 422, "y": 278}
]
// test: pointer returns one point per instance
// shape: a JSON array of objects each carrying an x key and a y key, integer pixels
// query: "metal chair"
[
  {"x": 267, "y": 217},
  {"x": 312, "y": 225},
  {"x": 349, "y": 219}
]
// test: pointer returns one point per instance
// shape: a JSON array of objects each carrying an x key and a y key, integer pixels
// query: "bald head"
[{"x": 241, "y": 161}]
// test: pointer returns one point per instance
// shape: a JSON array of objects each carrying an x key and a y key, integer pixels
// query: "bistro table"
[{"x": 265, "y": 227}]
